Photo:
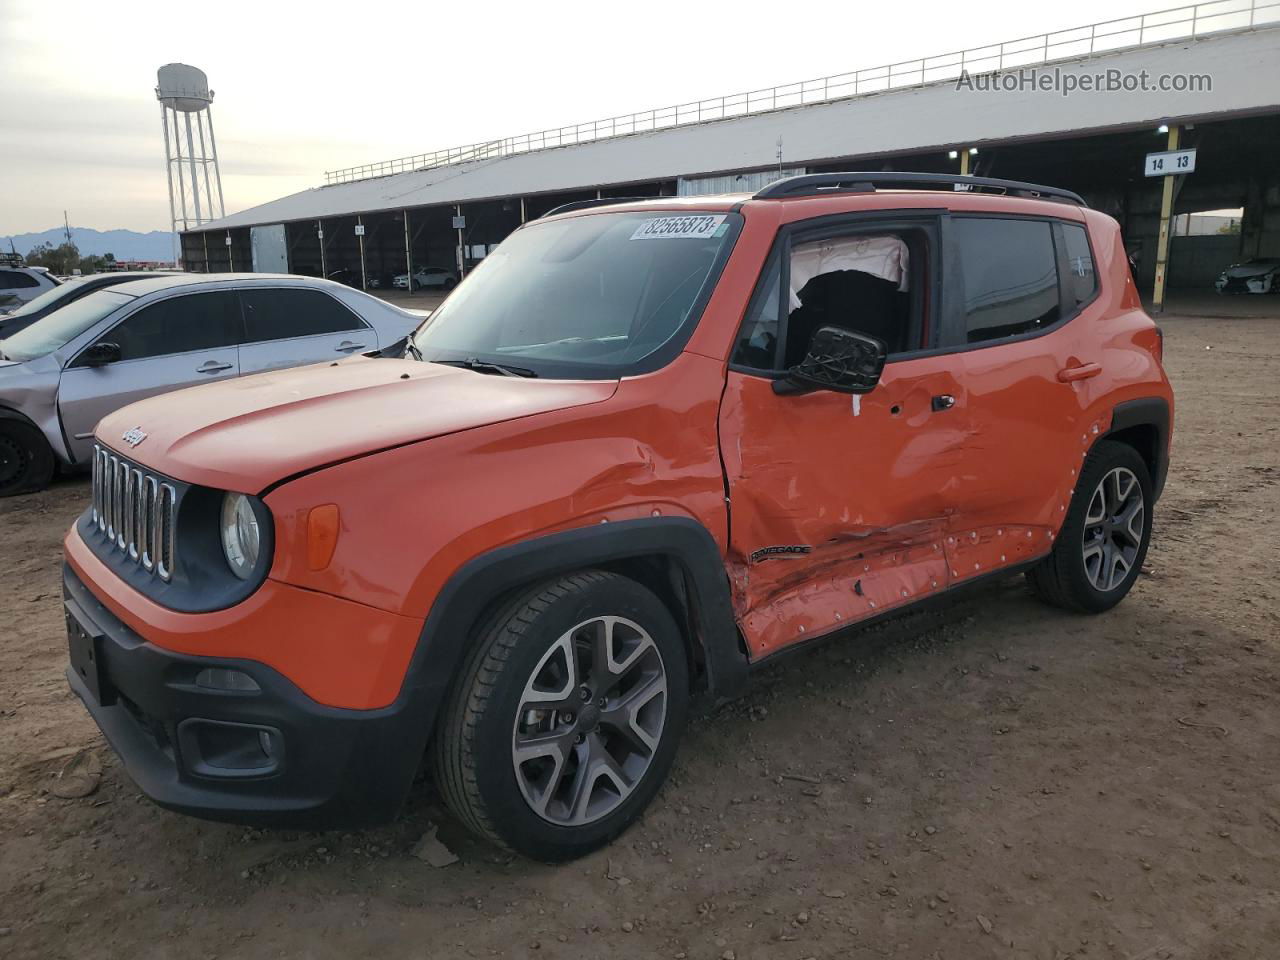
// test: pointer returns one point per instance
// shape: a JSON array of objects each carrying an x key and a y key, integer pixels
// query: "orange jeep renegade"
[{"x": 644, "y": 448}]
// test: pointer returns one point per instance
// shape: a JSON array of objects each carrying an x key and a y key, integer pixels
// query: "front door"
[
  {"x": 840, "y": 505},
  {"x": 173, "y": 343}
]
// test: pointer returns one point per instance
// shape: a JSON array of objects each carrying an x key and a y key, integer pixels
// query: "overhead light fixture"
[
  {"x": 1163, "y": 128},
  {"x": 953, "y": 155},
  {"x": 973, "y": 151}
]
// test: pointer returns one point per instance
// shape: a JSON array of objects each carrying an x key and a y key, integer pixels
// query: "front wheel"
[
  {"x": 26, "y": 462},
  {"x": 564, "y": 722},
  {"x": 1100, "y": 549}
]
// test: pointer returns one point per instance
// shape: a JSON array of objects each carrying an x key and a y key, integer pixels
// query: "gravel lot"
[{"x": 998, "y": 779}]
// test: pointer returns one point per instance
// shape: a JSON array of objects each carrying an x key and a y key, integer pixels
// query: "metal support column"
[
  {"x": 217, "y": 174},
  {"x": 964, "y": 161},
  {"x": 523, "y": 215},
  {"x": 1166, "y": 214},
  {"x": 195, "y": 182},
  {"x": 231, "y": 253},
  {"x": 462, "y": 253},
  {"x": 324, "y": 270},
  {"x": 364, "y": 279},
  {"x": 168, "y": 164},
  {"x": 408, "y": 255},
  {"x": 204, "y": 235}
]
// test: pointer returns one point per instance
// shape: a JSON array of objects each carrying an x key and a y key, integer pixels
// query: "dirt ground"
[{"x": 998, "y": 779}]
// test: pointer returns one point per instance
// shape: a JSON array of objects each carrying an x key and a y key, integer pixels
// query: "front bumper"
[{"x": 192, "y": 749}]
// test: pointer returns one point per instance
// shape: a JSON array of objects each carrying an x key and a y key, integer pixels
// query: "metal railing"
[{"x": 1162, "y": 26}]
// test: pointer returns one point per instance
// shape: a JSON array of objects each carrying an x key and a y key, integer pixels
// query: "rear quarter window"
[{"x": 1081, "y": 281}]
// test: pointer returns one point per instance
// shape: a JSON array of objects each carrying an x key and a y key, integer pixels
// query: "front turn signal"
[{"x": 322, "y": 535}]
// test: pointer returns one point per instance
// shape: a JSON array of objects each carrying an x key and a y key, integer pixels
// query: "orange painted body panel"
[
  {"x": 650, "y": 447},
  {"x": 431, "y": 466},
  {"x": 339, "y": 652},
  {"x": 248, "y": 433}
]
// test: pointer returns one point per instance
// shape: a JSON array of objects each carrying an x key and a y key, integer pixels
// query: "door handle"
[
  {"x": 213, "y": 366},
  {"x": 346, "y": 346},
  {"x": 943, "y": 401},
  {"x": 1082, "y": 371}
]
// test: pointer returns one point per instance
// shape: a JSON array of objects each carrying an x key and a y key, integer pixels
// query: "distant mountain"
[{"x": 125, "y": 244}]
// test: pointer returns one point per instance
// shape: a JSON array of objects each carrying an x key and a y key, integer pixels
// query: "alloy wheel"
[
  {"x": 1113, "y": 529},
  {"x": 590, "y": 720}
]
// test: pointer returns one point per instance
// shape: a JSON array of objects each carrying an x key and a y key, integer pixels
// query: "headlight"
[{"x": 241, "y": 539}]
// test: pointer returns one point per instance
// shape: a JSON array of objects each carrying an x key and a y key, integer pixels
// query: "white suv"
[{"x": 18, "y": 283}]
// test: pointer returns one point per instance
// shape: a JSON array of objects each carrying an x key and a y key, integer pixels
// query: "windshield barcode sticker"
[{"x": 679, "y": 228}]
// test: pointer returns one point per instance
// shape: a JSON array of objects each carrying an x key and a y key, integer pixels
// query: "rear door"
[
  {"x": 291, "y": 326},
  {"x": 177, "y": 342},
  {"x": 1024, "y": 359}
]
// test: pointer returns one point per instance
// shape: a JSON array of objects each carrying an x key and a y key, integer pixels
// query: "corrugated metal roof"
[{"x": 1245, "y": 68}]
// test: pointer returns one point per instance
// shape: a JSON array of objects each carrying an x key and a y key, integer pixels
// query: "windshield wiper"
[
  {"x": 484, "y": 366},
  {"x": 411, "y": 347}
]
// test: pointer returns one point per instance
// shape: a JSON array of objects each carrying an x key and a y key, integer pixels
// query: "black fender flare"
[
  {"x": 470, "y": 592},
  {"x": 1147, "y": 412}
]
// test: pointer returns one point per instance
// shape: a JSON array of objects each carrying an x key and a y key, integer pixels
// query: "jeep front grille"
[{"x": 134, "y": 510}]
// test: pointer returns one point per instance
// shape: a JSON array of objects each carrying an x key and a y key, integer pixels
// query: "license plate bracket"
[{"x": 84, "y": 645}]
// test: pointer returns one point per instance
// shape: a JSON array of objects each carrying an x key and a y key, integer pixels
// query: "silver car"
[{"x": 63, "y": 373}]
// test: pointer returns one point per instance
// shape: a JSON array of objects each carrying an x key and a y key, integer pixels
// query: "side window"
[
  {"x": 870, "y": 282},
  {"x": 757, "y": 345},
  {"x": 13, "y": 280},
  {"x": 1081, "y": 284},
  {"x": 1010, "y": 276},
  {"x": 283, "y": 313},
  {"x": 197, "y": 321}
]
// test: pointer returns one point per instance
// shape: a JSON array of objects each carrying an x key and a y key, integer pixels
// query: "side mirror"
[
  {"x": 838, "y": 360},
  {"x": 100, "y": 354}
]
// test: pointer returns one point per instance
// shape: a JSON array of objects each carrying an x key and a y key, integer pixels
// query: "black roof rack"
[
  {"x": 597, "y": 202},
  {"x": 816, "y": 184}
]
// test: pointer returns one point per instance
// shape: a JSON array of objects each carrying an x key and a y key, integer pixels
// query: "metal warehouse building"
[{"x": 938, "y": 114}]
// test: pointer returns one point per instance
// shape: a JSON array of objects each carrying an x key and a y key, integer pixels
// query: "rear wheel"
[
  {"x": 26, "y": 462},
  {"x": 564, "y": 723},
  {"x": 1099, "y": 552}
]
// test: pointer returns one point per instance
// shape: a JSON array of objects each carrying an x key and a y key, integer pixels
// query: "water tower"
[{"x": 183, "y": 92}]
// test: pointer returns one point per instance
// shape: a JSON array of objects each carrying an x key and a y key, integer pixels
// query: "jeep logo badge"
[{"x": 134, "y": 437}]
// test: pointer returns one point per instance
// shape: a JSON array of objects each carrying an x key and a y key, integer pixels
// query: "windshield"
[
  {"x": 585, "y": 297},
  {"x": 60, "y": 292},
  {"x": 62, "y": 326}
]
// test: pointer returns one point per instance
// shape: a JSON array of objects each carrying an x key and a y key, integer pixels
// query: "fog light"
[
  {"x": 220, "y": 678},
  {"x": 267, "y": 744}
]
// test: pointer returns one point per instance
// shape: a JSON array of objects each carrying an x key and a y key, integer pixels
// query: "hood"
[
  {"x": 245, "y": 434},
  {"x": 1242, "y": 270}
]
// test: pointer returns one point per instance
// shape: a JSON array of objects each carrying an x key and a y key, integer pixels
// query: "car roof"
[{"x": 155, "y": 282}]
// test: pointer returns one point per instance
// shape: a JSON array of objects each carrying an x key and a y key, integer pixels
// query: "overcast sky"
[{"x": 303, "y": 88}]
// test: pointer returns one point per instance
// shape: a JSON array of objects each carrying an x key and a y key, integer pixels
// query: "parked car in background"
[
  {"x": 73, "y": 289},
  {"x": 20, "y": 283},
  {"x": 351, "y": 278},
  {"x": 1260, "y": 275},
  {"x": 122, "y": 343},
  {"x": 645, "y": 449},
  {"x": 430, "y": 277}
]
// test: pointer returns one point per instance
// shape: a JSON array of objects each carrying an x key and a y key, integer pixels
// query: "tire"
[
  {"x": 512, "y": 772},
  {"x": 450, "y": 283},
  {"x": 1099, "y": 551},
  {"x": 26, "y": 461}
]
